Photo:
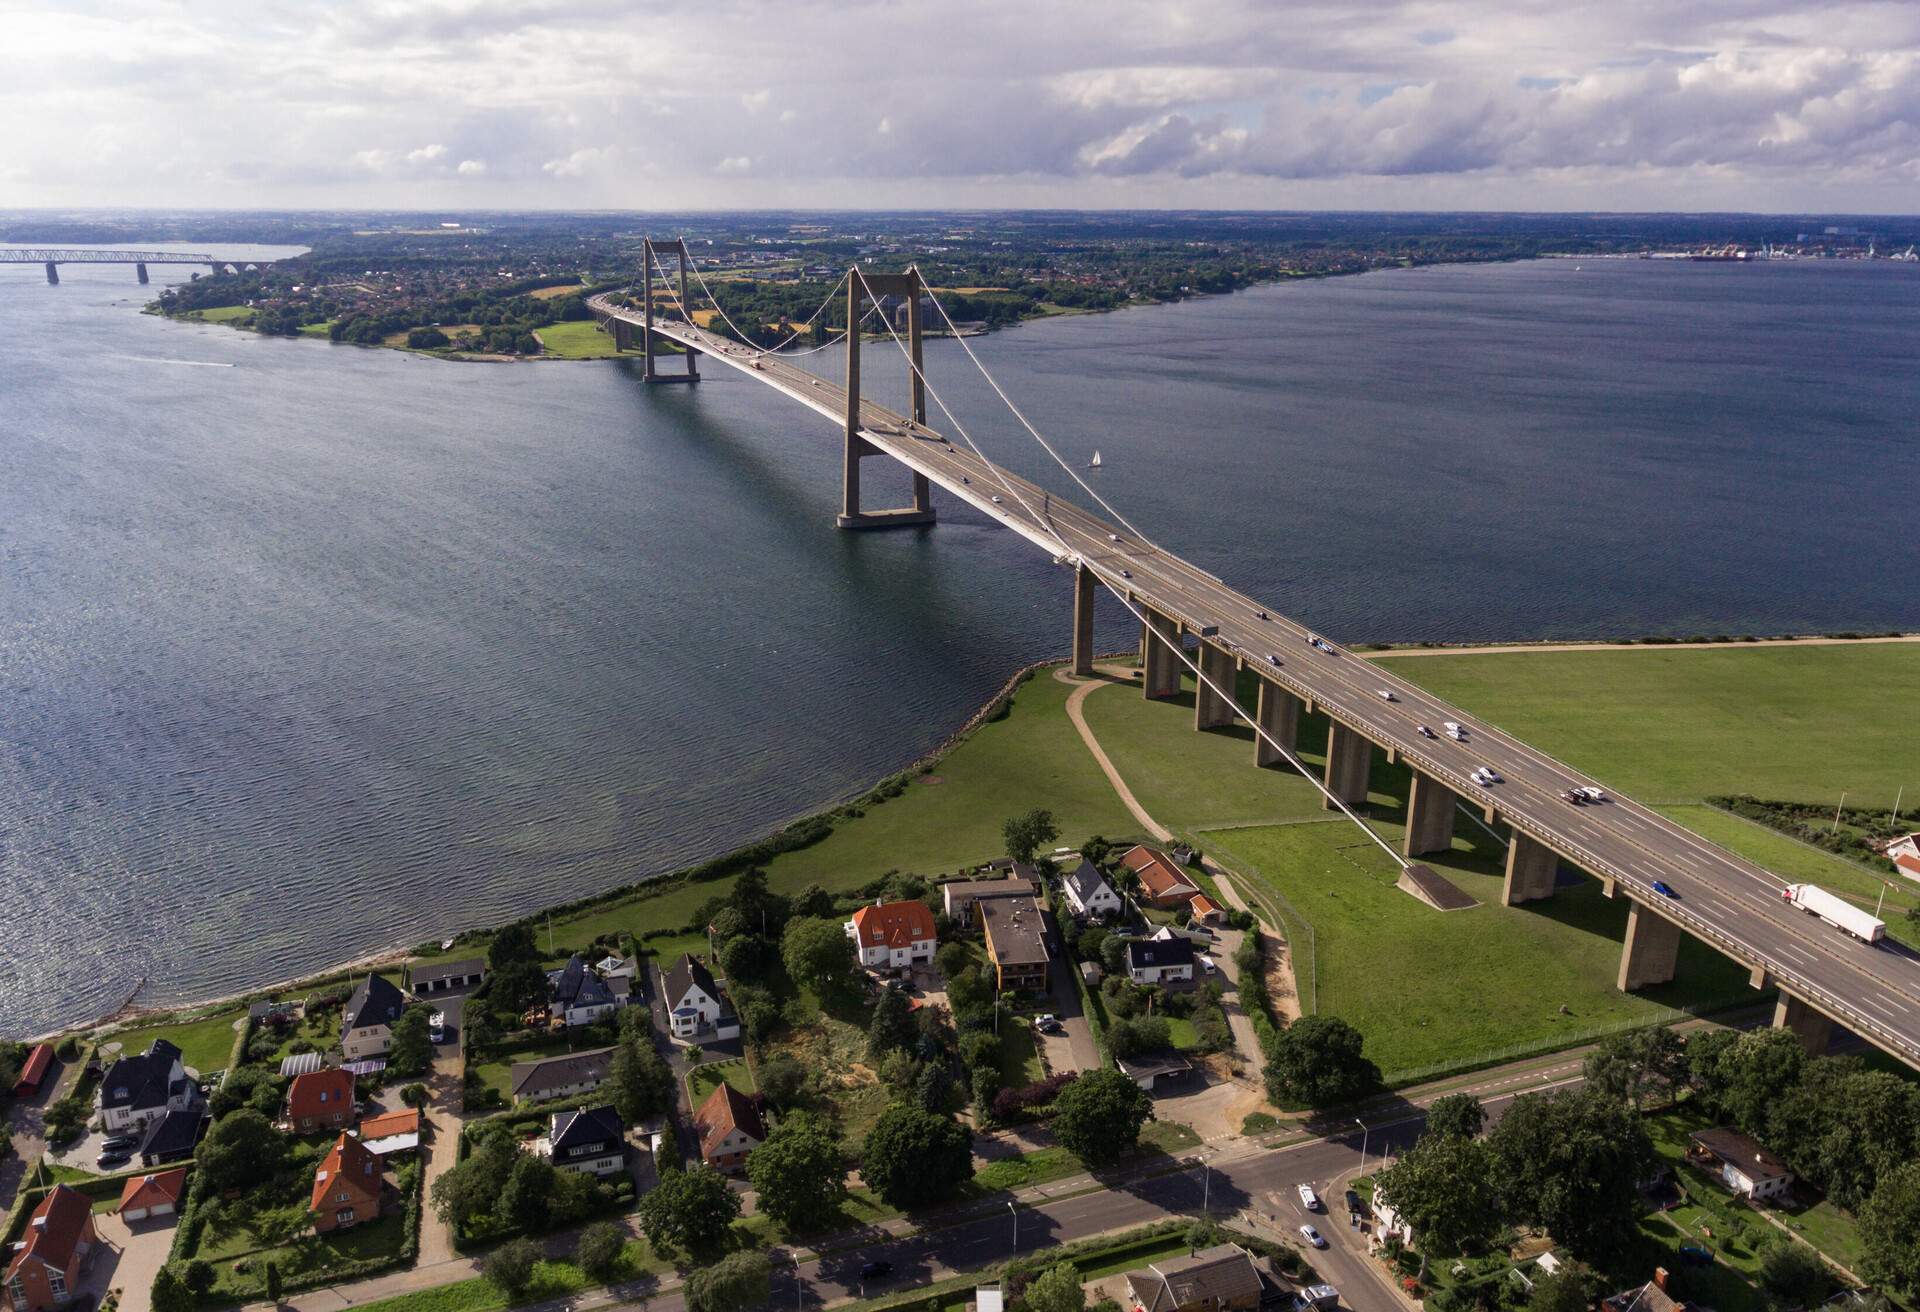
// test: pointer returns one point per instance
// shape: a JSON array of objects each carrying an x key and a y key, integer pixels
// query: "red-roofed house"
[
  {"x": 44, "y": 1272},
  {"x": 729, "y": 1128},
  {"x": 346, "y": 1188},
  {"x": 157, "y": 1195},
  {"x": 893, "y": 934},
  {"x": 320, "y": 1101},
  {"x": 1907, "y": 865},
  {"x": 1205, "y": 910},
  {"x": 1162, "y": 883}
]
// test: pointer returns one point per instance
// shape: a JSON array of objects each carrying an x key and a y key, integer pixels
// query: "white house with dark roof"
[
  {"x": 1160, "y": 960},
  {"x": 579, "y": 996},
  {"x": 1088, "y": 892},
  {"x": 137, "y": 1091},
  {"x": 591, "y": 1141},
  {"x": 692, "y": 998},
  {"x": 366, "y": 1027}
]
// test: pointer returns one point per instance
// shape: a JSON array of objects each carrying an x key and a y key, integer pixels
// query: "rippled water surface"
[{"x": 335, "y": 649}]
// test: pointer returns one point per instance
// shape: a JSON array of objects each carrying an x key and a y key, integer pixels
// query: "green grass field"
[
  {"x": 204, "y": 1045},
  {"x": 577, "y": 340},
  {"x": 238, "y": 315},
  {"x": 1792, "y": 723},
  {"x": 703, "y": 1080}
]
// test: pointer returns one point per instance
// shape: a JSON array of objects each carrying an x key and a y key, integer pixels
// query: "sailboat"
[{"x": 1095, "y": 462}]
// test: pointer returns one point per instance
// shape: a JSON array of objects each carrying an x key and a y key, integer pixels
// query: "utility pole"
[
  {"x": 1897, "y": 799},
  {"x": 1836, "y": 812}
]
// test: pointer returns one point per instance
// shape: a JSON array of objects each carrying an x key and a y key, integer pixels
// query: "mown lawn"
[
  {"x": 1439, "y": 989},
  {"x": 1019, "y": 1057},
  {"x": 551, "y": 1280},
  {"x": 204, "y": 1044},
  {"x": 578, "y": 340},
  {"x": 497, "y": 1072},
  {"x": 1791, "y": 723},
  {"x": 703, "y": 1080}
]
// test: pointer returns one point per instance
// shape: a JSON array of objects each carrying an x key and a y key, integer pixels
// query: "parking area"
[{"x": 128, "y": 1258}]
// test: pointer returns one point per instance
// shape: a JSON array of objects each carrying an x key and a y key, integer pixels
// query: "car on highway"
[
  {"x": 996, "y": 501},
  {"x": 1308, "y": 1198},
  {"x": 1260, "y": 615},
  {"x": 1425, "y": 732},
  {"x": 1386, "y": 695},
  {"x": 1454, "y": 731},
  {"x": 1312, "y": 1236},
  {"x": 1113, "y": 537},
  {"x": 1591, "y": 793},
  {"x": 1484, "y": 777},
  {"x": 1493, "y": 774},
  {"x": 1273, "y": 658},
  {"x": 874, "y": 1270},
  {"x": 1126, "y": 573},
  {"x": 1664, "y": 889},
  {"x": 1575, "y": 796}
]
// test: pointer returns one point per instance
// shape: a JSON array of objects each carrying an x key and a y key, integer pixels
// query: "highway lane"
[{"x": 1727, "y": 902}]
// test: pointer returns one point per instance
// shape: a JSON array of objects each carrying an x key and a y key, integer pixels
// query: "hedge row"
[{"x": 1250, "y": 960}]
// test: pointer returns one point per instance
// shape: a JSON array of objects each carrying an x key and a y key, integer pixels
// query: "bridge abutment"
[
  {"x": 1531, "y": 869},
  {"x": 1430, "y": 810},
  {"x": 1277, "y": 712},
  {"x": 1211, "y": 709},
  {"x": 1650, "y": 951},
  {"x": 140, "y": 272},
  {"x": 1160, "y": 664},
  {"x": 1812, "y": 1028},
  {"x": 622, "y": 334},
  {"x": 1349, "y": 762},
  {"x": 1084, "y": 581},
  {"x": 53, "y": 274}
]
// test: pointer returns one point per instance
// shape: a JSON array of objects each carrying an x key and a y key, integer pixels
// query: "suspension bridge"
[
  {"x": 54, "y": 257},
  {"x": 1674, "y": 881}
]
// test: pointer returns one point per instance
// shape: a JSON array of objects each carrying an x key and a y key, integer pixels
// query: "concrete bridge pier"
[
  {"x": 622, "y": 334},
  {"x": 1430, "y": 808},
  {"x": 1531, "y": 868},
  {"x": 1813, "y": 1029},
  {"x": 53, "y": 274},
  {"x": 1652, "y": 947},
  {"x": 1278, "y": 714},
  {"x": 1349, "y": 762},
  {"x": 1083, "y": 586},
  {"x": 1160, "y": 661},
  {"x": 140, "y": 272},
  {"x": 1214, "y": 710}
]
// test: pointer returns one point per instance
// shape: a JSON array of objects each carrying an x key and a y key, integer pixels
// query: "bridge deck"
[{"x": 1725, "y": 900}]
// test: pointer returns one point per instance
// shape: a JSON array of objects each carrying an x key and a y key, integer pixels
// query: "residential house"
[
  {"x": 431, "y": 979},
  {"x": 1746, "y": 1167},
  {"x": 729, "y": 1127},
  {"x": 149, "y": 1197},
  {"x": 959, "y": 897},
  {"x": 591, "y": 1141},
  {"x": 893, "y": 935},
  {"x": 1205, "y": 911},
  {"x": 321, "y": 1101},
  {"x": 1388, "y": 1223},
  {"x": 1162, "y": 883},
  {"x": 1650, "y": 1297},
  {"x": 1149, "y": 1069},
  {"x": 1160, "y": 960},
  {"x": 560, "y": 1077},
  {"x": 1223, "y": 1276},
  {"x": 366, "y": 1027},
  {"x": 34, "y": 1070},
  {"x": 174, "y": 1136},
  {"x": 692, "y": 998},
  {"x": 1018, "y": 940},
  {"x": 136, "y": 1091},
  {"x": 346, "y": 1188},
  {"x": 578, "y": 996},
  {"x": 1089, "y": 894},
  {"x": 387, "y": 1133},
  {"x": 44, "y": 1269}
]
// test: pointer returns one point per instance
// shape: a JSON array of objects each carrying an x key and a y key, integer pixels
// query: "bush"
[{"x": 510, "y": 1265}]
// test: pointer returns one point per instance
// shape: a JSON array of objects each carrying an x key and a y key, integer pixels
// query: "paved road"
[{"x": 1726, "y": 901}]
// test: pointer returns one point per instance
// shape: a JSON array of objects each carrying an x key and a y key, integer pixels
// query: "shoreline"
[{"x": 1388, "y": 651}]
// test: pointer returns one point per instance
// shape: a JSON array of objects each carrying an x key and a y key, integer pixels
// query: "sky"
[{"x": 633, "y": 104}]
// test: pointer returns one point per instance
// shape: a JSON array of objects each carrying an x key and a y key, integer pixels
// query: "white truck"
[{"x": 1838, "y": 912}]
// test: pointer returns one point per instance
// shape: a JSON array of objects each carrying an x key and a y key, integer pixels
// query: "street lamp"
[
  {"x": 1206, "y": 1186},
  {"x": 1363, "y": 1142},
  {"x": 1016, "y": 1227}
]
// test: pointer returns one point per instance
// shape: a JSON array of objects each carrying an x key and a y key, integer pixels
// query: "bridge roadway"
[{"x": 1725, "y": 901}]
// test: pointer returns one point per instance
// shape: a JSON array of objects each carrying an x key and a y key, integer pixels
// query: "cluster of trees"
[
  {"x": 1854, "y": 832},
  {"x": 639, "y": 1081},
  {"x": 1319, "y": 1061},
  {"x": 498, "y": 1189}
]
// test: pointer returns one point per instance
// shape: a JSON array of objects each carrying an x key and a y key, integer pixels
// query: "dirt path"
[
  {"x": 1395, "y": 652},
  {"x": 1082, "y": 687}
]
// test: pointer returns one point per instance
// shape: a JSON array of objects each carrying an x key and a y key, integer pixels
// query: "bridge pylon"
[
  {"x": 862, "y": 287},
  {"x": 650, "y": 251}
]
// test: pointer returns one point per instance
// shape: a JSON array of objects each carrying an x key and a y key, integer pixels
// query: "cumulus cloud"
[{"x": 1519, "y": 103}]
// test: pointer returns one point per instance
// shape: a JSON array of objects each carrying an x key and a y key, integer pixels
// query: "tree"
[
  {"x": 783, "y": 1080},
  {"x": 1563, "y": 1291},
  {"x": 952, "y": 958},
  {"x": 1127, "y": 1036},
  {"x": 735, "y": 1283},
  {"x": 747, "y": 957},
  {"x": 1745, "y": 1076},
  {"x": 1444, "y": 1187},
  {"x": 798, "y": 1172},
  {"x": 525, "y": 1201},
  {"x": 468, "y": 1189},
  {"x": 170, "y": 1292},
  {"x": 1844, "y": 1126},
  {"x": 969, "y": 988},
  {"x": 241, "y": 1150},
  {"x": 812, "y": 901},
  {"x": 1026, "y": 833},
  {"x": 1633, "y": 1065},
  {"x": 271, "y": 1274},
  {"x": 1890, "y": 1229},
  {"x": 1792, "y": 1272},
  {"x": 1057, "y": 1289},
  {"x": 913, "y": 1156},
  {"x": 1317, "y": 1061},
  {"x": 510, "y": 1265},
  {"x": 1098, "y": 1117},
  {"x": 518, "y": 986},
  {"x": 198, "y": 1276},
  {"x": 599, "y": 1249},
  {"x": 688, "y": 1210},
  {"x": 412, "y": 1050},
  {"x": 426, "y": 339},
  {"x": 763, "y": 911},
  {"x": 416, "y": 1095},
  {"x": 819, "y": 955},
  {"x": 1457, "y": 1114},
  {"x": 642, "y": 1082},
  {"x": 1572, "y": 1162},
  {"x": 892, "y": 1026},
  {"x": 933, "y": 1087}
]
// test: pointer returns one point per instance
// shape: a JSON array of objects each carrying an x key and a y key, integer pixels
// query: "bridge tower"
[
  {"x": 862, "y": 287},
  {"x": 649, "y": 252}
]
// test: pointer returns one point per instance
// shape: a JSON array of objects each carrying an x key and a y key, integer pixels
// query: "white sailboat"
[{"x": 1095, "y": 462}]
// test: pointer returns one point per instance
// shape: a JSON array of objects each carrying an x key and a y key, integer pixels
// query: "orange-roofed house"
[
  {"x": 1162, "y": 883},
  {"x": 320, "y": 1101},
  {"x": 145, "y": 1197},
  {"x": 1908, "y": 865},
  {"x": 890, "y": 935},
  {"x": 729, "y": 1127},
  {"x": 43, "y": 1272},
  {"x": 1205, "y": 910},
  {"x": 346, "y": 1188}
]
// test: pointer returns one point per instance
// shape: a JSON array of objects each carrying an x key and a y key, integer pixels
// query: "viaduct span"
[
  {"x": 1822, "y": 975},
  {"x": 53, "y": 258}
]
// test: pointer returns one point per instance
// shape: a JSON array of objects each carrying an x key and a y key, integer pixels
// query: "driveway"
[
  {"x": 27, "y": 1129},
  {"x": 128, "y": 1258},
  {"x": 446, "y": 1083},
  {"x": 1074, "y": 1050}
]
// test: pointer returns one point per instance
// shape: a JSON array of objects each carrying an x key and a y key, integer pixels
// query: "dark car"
[
  {"x": 1355, "y": 1203},
  {"x": 1664, "y": 889},
  {"x": 119, "y": 1143},
  {"x": 874, "y": 1270},
  {"x": 113, "y": 1157}
]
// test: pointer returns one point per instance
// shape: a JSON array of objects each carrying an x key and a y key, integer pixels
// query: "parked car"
[
  {"x": 1355, "y": 1203},
  {"x": 1206, "y": 962},
  {"x": 113, "y": 1157},
  {"x": 437, "y": 1027},
  {"x": 1309, "y": 1199},
  {"x": 119, "y": 1143},
  {"x": 1312, "y": 1236}
]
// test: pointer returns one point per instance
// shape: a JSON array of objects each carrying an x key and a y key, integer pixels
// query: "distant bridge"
[
  {"x": 53, "y": 257},
  {"x": 1674, "y": 881}
]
